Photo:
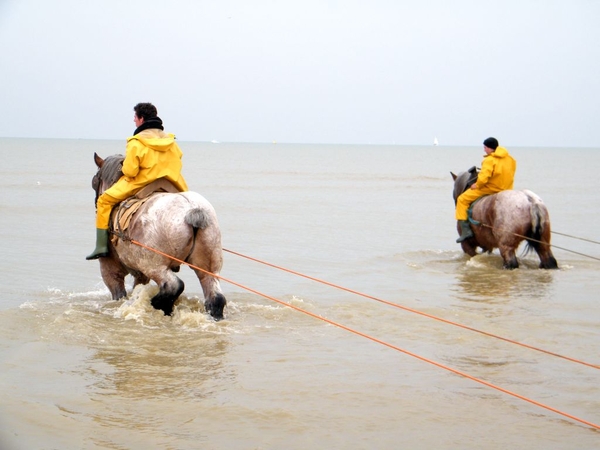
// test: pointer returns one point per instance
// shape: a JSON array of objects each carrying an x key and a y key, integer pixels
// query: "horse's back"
[
  {"x": 509, "y": 200},
  {"x": 512, "y": 210},
  {"x": 166, "y": 215},
  {"x": 178, "y": 203},
  {"x": 524, "y": 200}
]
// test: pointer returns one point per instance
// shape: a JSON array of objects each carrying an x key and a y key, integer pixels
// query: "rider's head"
[
  {"x": 491, "y": 143},
  {"x": 145, "y": 111}
]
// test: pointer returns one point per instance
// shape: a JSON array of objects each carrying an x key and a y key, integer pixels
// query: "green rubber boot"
[
  {"x": 101, "y": 245},
  {"x": 465, "y": 231}
]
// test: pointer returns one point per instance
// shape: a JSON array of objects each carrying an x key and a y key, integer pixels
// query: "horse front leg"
[
  {"x": 113, "y": 274},
  {"x": 468, "y": 247}
]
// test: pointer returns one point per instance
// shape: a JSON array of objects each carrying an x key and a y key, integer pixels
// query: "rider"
[
  {"x": 150, "y": 154},
  {"x": 497, "y": 174}
]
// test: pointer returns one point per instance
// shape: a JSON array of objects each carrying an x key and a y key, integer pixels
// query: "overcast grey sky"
[{"x": 371, "y": 71}]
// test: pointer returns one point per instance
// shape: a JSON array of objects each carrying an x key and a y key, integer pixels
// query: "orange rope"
[
  {"x": 540, "y": 242},
  {"x": 395, "y": 305},
  {"x": 379, "y": 341},
  {"x": 576, "y": 237}
]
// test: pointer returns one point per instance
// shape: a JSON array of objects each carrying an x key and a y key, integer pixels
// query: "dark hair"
[
  {"x": 491, "y": 143},
  {"x": 145, "y": 111}
]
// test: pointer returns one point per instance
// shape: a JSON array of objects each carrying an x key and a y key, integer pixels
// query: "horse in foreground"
[
  {"x": 182, "y": 225},
  {"x": 504, "y": 220}
]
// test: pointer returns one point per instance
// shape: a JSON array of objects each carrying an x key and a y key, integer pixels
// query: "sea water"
[{"x": 80, "y": 370}]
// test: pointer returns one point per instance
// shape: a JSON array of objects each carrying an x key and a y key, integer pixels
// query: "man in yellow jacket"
[
  {"x": 150, "y": 154},
  {"x": 497, "y": 174}
]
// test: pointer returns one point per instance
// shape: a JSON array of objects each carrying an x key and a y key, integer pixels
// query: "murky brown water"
[{"x": 81, "y": 371}]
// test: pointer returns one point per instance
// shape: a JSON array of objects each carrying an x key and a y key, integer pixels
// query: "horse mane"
[{"x": 111, "y": 170}]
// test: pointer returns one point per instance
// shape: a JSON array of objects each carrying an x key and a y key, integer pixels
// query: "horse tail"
[
  {"x": 540, "y": 226},
  {"x": 197, "y": 218}
]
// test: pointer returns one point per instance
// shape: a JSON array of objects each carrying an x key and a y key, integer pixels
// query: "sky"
[{"x": 336, "y": 72}]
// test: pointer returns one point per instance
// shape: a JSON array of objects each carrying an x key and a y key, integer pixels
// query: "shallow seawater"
[{"x": 372, "y": 231}]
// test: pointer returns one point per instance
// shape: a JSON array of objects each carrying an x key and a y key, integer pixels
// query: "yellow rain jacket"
[
  {"x": 497, "y": 174},
  {"x": 150, "y": 155}
]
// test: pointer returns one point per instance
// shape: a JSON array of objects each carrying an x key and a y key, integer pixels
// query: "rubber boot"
[
  {"x": 465, "y": 231},
  {"x": 101, "y": 245}
]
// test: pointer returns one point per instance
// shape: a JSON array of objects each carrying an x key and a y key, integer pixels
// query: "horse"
[
  {"x": 504, "y": 220},
  {"x": 182, "y": 225}
]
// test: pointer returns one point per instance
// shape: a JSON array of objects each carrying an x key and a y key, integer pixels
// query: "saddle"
[{"x": 121, "y": 215}]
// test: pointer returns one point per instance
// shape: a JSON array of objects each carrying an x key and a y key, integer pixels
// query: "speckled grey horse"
[
  {"x": 182, "y": 225},
  {"x": 505, "y": 220}
]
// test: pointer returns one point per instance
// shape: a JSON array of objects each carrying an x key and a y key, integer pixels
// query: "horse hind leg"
[
  {"x": 214, "y": 300},
  {"x": 509, "y": 257},
  {"x": 170, "y": 288},
  {"x": 217, "y": 305},
  {"x": 547, "y": 261},
  {"x": 207, "y": 265},
  {"x": 542, "y": 248}
]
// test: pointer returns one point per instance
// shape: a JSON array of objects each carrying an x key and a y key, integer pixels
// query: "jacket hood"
[
  {"x": 155, "y": 139},
  {"x": 500, "y": 152}
]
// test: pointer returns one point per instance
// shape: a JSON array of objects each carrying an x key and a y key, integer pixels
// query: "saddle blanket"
[{"x": 121, "y": 215}]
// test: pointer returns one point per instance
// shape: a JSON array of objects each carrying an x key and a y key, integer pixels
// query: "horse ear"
[
  {"x": 99, "y": 161},
  {"x": 454, "y": 177}
]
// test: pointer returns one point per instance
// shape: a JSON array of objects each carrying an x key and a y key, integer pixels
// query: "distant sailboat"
[{"x": 435, "y": 141}]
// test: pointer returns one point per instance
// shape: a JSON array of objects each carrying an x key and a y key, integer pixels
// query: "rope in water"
[
  {"x": 540, "y": 242},
  {"x": 405, "y": 308},
  {"x": 576, "y": 237},
  {"x": 379, "y": 341}
]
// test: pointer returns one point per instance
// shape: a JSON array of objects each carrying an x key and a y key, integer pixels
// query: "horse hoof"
[
  {"x": 549, "y": 264},
  {"x": 165, "y": 307},
  {"x": 215, "y": 306}
]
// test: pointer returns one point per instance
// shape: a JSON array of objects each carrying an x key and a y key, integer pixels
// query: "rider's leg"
[
  {"x": 462, "y": 205},
  {"x": 103, "y": 208}
]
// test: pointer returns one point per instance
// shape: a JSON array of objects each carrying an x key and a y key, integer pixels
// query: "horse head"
[
  {"x": 109, "y": 172},
  {"x": 463, "y": 181}
]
